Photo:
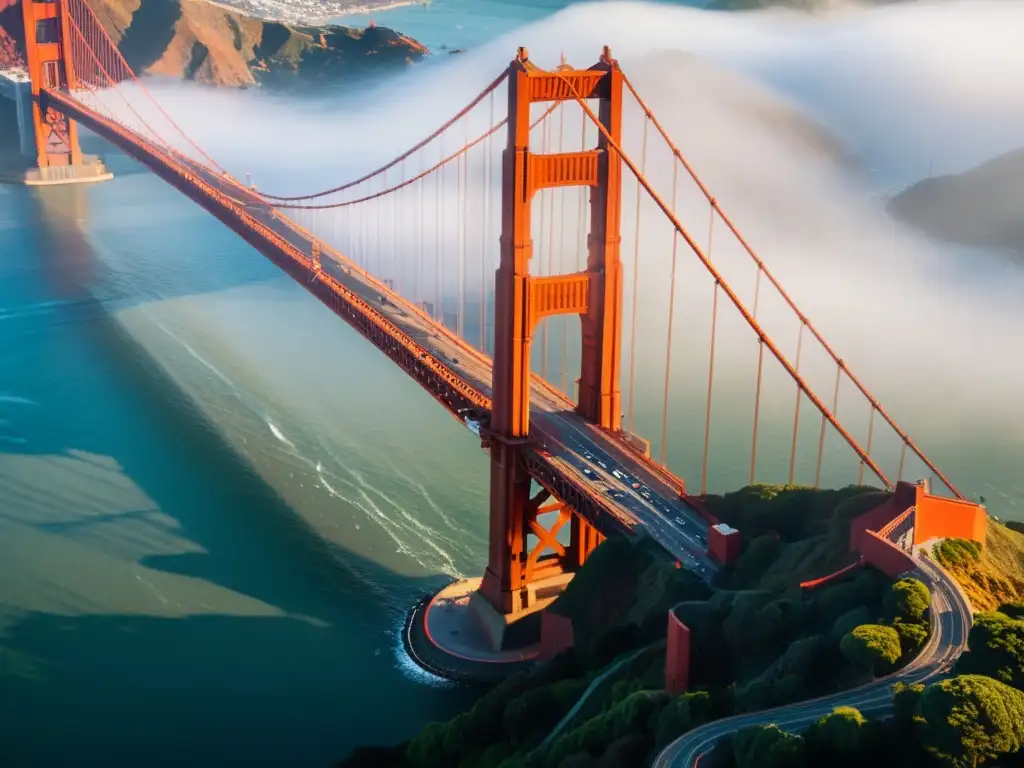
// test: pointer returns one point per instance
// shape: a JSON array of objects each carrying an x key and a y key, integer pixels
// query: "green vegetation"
[
  {"x": 871, "y": 647},
  {"x": 966, "y": 720},
  {"x": 975, "y": 718},
  {"x": 996, "y": 646},
  {"x": 990, "y": 575},
  {"x": 757, "y": 640}
]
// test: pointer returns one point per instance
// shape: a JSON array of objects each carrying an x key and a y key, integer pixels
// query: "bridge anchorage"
[{"x": 47, "y": 134}]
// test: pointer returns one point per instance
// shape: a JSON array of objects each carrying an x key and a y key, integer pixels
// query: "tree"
[
  {"x": 844, "y": 730},
  {"x": 996, "y": 643},
  {"x": 905, "y": 698},
  {"x": 1013, "y": 610},
  {"x": 908, "y": 599},
  {"x": 680, "y": 715},
  {"x": 765, "y": 746},
  {"x": 912, "y": 637},
  {"x": 968, "y": 719},
  {"x": 871, "y": 647}
]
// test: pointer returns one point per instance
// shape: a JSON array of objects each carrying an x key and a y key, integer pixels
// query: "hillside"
[
  {"x": 982, "y": 207},
  {"x": 212, "y": 44},
  {"x": 991, "y": 575},
  {"x": 757, "y": 641}
]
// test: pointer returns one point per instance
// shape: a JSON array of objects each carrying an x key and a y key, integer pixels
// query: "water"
[
  {"x": 217, "y": 501},
  {"x": 450, "y": 25},
  {"x": 208, "y": 541}
]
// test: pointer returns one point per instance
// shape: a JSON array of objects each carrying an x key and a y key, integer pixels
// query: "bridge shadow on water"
[
  {"x": 162, "y": 245},
  {"x": 301, "y": 672}
]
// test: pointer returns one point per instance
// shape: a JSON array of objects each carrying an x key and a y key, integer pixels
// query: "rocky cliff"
[
  {"x": 213, "y": 44},
  {"x": 982, "y": 207}
]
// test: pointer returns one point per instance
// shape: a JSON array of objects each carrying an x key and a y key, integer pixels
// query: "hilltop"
[
  {"x": 213, "y": 44},
  {"x": 991, "y": 575},
  {"x": 758, "y": 640},
  {"x": 982, "y": 207}
]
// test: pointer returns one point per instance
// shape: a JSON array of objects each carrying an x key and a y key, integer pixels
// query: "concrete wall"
[
  {"x": 14, "y": 86},
  {"x": 885, "y": 556},
  {"x": 677, "y": 656},
  {"x": 937, "y": 517}
]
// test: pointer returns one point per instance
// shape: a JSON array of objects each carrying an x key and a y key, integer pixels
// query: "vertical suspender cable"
[
  {"x": 821, "y": 435},
  {"x": 483, "y": 233},
  {"x": 581, "y": 238},
  {"x": 711, "y": 365},
  {"x": 867, "y": 448},
  {"x": 421, "y": 291},
  {"x": 460, "y": 217},
  {"x": 563, "y": 220},
  {"x": 757, "y": 391},
  {"x": 442, "y": 232},
  {"x": 545, "y": 257},
  {"x": 671, "y": 319},
  {"x": 397, "y": 273},
  {"x": 379, "y": 269},
  {"x": 636, "y": 274},
  {"x": 796, "y": 408},
  {"x": 464, "y": 205},
  {"x": 903, "y": 455}
]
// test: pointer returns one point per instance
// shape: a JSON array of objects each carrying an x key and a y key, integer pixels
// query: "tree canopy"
[
  {"x": 966, "y": 720},
  {"x": 871, "y": 647},
  {"x": 908, "y": 600},
  {"x": 996, "y": 645}
]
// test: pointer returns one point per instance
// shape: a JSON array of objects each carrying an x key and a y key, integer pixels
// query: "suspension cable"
[
  {"x": 907, "y": 441},
  {"x": 636, "y": 280},
  {"x": 755, "y": 326},
  {"x": 447, "y": 124},
  {"x": 671, "y": 322}
]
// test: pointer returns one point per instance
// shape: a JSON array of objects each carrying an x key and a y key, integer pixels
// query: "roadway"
[
  {"x": 951, "y": 622},
  {"x": 596, "y": 457}
]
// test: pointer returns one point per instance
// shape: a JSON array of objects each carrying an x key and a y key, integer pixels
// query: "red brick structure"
[
  {"x": 677, "y": 656},
  {"x": 723, "y": 543}
]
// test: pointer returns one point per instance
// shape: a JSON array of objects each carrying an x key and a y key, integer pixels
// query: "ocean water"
[{"x": 217, "y": 501}]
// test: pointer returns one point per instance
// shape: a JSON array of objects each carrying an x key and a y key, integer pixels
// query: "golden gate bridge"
[{"x": 465, "y": 258}]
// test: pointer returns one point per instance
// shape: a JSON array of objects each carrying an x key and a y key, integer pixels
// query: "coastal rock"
[
  {"x": 214, "y": 44},
  {"x": 981, "y": 207}
]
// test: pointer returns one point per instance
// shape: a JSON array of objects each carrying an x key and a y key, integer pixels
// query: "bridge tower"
[
  {"x": 48, "y": 31},
  {"x": 518, "y": 580}
]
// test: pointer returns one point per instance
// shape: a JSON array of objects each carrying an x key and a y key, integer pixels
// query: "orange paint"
[
  {"x": 522, "y": 300},
  {"x": 49, "y": 67}
]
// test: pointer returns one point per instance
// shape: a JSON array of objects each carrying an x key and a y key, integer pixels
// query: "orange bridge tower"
[
  {"x": 518, "y": 580},
  {"x": 48, "y": 52}
]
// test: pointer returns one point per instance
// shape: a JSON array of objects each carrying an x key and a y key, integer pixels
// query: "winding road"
[{"x": 951, "y": 618}]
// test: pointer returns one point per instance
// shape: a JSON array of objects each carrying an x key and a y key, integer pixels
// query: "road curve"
[{"x": 951, "y": 621}]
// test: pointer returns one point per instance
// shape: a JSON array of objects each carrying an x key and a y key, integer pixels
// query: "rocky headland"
[{"x": 217, "y": 44}]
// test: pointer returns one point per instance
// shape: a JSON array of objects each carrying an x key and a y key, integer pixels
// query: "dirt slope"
[{"x": 207, "y": 43}]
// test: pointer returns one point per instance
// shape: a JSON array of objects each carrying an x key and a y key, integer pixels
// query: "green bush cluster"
[
  {"x": 957, "y": 552},
  {"x": 971, "y": 719}
]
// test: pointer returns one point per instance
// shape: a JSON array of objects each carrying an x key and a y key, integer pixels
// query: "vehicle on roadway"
[{"x": 590, "y": 473}]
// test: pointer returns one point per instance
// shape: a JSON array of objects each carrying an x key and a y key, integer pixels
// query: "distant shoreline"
[{"x": 327, "y": 15}]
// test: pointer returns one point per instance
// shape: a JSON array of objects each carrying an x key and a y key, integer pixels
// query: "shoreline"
[{"x": 336, "y": 10}]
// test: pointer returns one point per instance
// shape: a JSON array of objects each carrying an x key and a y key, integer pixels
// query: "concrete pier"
[{"x": 15, "y": 86}]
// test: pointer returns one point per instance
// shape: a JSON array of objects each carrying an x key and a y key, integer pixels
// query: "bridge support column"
[
  {"x": 514, "y": 581},
  {"x": 50, "y": 67}
]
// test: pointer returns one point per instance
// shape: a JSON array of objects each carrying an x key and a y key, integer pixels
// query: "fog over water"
[
  {"x": 905, "y": 91},
  {"x": 210, "y": 443}
]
